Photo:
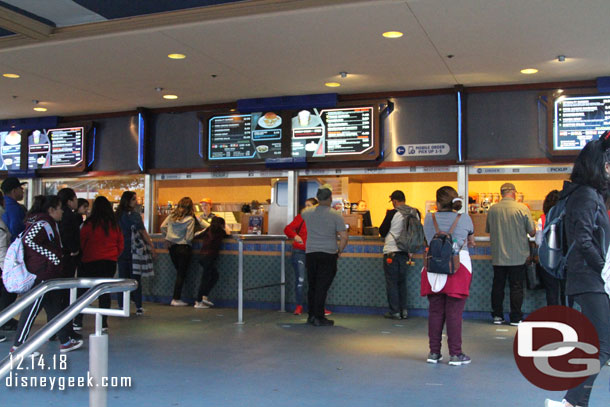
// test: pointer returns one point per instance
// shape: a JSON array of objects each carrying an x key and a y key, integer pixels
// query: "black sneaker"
[
  {"x": 459, "y": 360},
  {"x": 2, "y": 338},
  {"x": 392, "y": 315},
  {"x": 434, "y": 357},
  {"x": 310, "y": 319},
  {"x": 77, "y": 326},
  {"x": 404, "y": 314},
  {"x": 323, "y": 322}
]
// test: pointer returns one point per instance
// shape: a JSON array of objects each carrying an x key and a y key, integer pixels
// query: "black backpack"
[
  {"x": 411, "y": 238},
  {"x": 440, "y": 258}
]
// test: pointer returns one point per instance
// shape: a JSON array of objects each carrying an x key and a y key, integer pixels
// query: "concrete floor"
[{"x": 192, "y": 357}]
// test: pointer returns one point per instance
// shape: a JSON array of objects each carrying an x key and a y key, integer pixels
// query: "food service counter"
[{"x": 359, "y": 285}]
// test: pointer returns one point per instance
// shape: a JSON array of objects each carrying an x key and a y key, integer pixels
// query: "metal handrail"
[{"x": 99, "y": 286}]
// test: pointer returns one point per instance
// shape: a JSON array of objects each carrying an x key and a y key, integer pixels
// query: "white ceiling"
[{"x": 274, "y": 48}]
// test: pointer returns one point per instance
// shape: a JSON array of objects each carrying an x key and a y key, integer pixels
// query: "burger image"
[{"x": 270, "y": 119}]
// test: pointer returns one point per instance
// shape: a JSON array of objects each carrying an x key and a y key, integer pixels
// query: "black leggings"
[
  {"x": 596, "y": 307},
  {"x": 209, "y": 278},
  {"x": 181, "y": 257}
]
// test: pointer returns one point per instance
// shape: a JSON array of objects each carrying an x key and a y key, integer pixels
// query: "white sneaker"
[
  {"x": 205, "y": 300},
  {"x": 200, "y": 305},
  {"x": 178, "y": 303},
  {"x": 553, "y": 403}
]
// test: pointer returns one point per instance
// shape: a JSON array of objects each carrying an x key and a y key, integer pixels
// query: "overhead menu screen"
[
  {"x": 10, "y": 150},
  {"x": 333, "y": 132},
  {"x": 579, "y": 120},
  {"x": 255, "y": 136},
  {"x": 56, "y": 148}
]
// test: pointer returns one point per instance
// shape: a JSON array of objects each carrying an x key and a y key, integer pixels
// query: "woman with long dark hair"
[
  {"x": 101, "y": 241},
  {"x": 587, "y": 227},
  {"x": 212, "y": 240},
  {"x": 127, "y": 217},
  {"x": 42, "y": 252},
  {"x": 447, "y": 294},
  {"x": 179, "y": 230}
]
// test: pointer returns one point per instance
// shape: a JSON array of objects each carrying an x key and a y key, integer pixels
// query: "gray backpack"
[{"x": 411, "y": 238}]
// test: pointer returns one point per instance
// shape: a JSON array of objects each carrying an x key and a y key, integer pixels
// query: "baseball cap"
[
  {"x": 206, "y": 200},
  {"x": 507, "y": 187},
  {"x": 398, "y": 195},
  {"x": 325, "y": 192},
  {"x": 11, "y": 183}
]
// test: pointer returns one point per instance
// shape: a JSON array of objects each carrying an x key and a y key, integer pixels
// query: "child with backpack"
[
  {"x": 449, "y": 235},
  {"x": 42, "y": 250}
]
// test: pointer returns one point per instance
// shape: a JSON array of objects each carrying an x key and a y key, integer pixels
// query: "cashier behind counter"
[{"x": 359, "y": 221}]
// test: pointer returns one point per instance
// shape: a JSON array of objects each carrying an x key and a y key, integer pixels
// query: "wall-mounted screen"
[
  {"x": 348, "y": 132},
  {"x": 10, "y": 150},
  {"x": 57, "y": 149},
  {"x": 578, "y": 120},
  {"x": 239, "y": 137}
]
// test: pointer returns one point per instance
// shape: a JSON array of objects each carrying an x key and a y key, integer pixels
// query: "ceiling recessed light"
[
  {"x": 332, "y": 84},
  {"x": 170, "y": 97},
  {"x": 392, "y": 34},
  {"x": 40, "y": 109},
  {"x": 11, "y": 75},
  {"x": 176, "y": 56},
  {"x": 529, "y": 71}
]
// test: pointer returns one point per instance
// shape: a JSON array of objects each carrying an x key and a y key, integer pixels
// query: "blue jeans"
[
  {"x": 125, "y": 272},
  {"x": 298, "y": 264}
]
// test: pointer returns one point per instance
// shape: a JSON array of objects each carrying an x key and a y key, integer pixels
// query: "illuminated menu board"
[
  {"x": 345, "y": 131},
  {"x": 10, "y": 150},
  {"x": 56, "y": 148},
  {"x": 255, "y": 136},
  {"x": 579, "y": 120}
]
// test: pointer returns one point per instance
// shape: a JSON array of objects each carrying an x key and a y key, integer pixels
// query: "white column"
[{"x": 462, "y": 180}]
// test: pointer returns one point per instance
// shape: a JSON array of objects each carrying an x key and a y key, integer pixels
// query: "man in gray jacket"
[{"x": 323, "y": 226}]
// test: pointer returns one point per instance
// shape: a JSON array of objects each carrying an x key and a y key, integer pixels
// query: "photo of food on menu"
[{"x": 10, "y": 150}]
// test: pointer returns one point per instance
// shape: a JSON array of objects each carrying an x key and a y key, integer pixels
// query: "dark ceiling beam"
[{"x": 26, "y": 26}]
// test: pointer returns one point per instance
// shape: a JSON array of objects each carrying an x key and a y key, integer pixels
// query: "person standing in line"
[
  {"x": 508, "y": 224},
  {"x": 554, "y": 287},
  {"x": 6, "y": 298},
  {"x": 447, "y": 294},
  {"x": 212, "y": 238},
  {"x": 297, "y": 231},
  {"x": 83, "y": 209},
  {"x": 69, "y": 230},
  {"x": 101, "y": 240},
  {"x": 43, "y": 255},
  {"x": 323, "y": 227},
  {"x": 126, "y": 217},
  {"x": 179, "y": 230},
  {"x": 587, "y": 227},
  {"x": 395, "y": 262},
  {"x": 14, "y": 214}
]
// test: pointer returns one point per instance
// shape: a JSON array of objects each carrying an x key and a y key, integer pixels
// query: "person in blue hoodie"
[{"x": 14, "y": 212}]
